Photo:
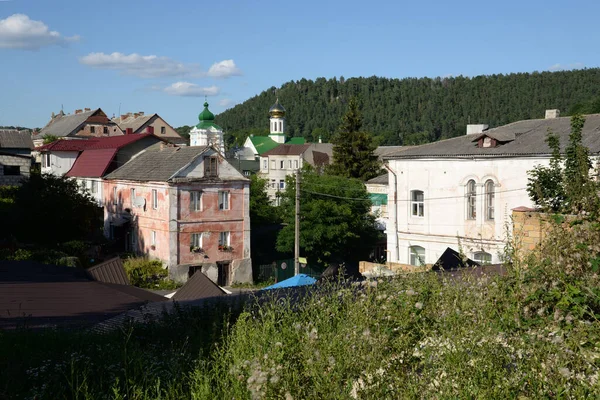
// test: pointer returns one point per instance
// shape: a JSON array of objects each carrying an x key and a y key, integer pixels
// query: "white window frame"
[
  {"x": 196, "y": 239},
  {"x": 490, "y": 199},
  {"x": 417, "y": 207},
  {"x": 196, "y": 200},
  {"x": 154, "y": 199},
  {"x": 281, "y": 184},
  {"x": 482, "y": 257},
  {"x": 153, "y": 238},
  {"x": 289, "y": 164},
  {"x": 282, "y": 164},
  {"x": 296, "y": 164},
  {"x": 273, "y": 164},
  {"x": 225, "y": 238},
  {"x": 115, "y": 195},
  {"x": 471, "y": 199},
  {"x": 416, "y": 256},
  {"x": 224, "y": 200},
  {"x": 265, "y": 164},
  {"x": 46, "y": 160},
  {"x": 94, "y": 184}
]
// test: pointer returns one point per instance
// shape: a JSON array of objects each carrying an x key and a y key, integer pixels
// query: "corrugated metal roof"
[
  {"x": 287, "y": 150},
  {"x": 111, "y": 271},
  {"x": 113, "y": 142},
  {"x": 157, "y": 164},
  {"x": 92, "y": 163},
  {"x": 530, "y": 140},
  {"x": 263, "y": 144},
  {"x": 199, "y": 286},
  {"x": 66, "y": 145},
  {"x": 14, "y": 139}
]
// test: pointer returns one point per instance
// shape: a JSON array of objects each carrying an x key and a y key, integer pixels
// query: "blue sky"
[{"x": 165, "y": 56}]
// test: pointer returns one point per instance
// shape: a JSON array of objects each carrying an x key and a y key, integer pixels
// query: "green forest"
[{"x": 415, "y": 110}]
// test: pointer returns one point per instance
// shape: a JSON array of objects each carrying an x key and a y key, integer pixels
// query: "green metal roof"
[
  {"x": 263, "y": 144},
  {"x": 296, "y": 140},
  {"x": 206, "y": 119},
  {"x": 208, "y": 124},
  {"x": 379, "y": 199}
]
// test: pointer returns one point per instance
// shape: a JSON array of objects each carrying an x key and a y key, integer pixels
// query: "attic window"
[
  {"x": 487, "y": 142},
  {"x": 210, "y": 167}
]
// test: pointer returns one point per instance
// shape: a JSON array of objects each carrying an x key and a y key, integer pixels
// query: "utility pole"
[{"x": 297, "y": 230}]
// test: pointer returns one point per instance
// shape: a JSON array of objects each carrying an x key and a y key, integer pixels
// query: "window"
[
  {"x": 246, "y": 173},
  {"x": 132, "y": 194},
  {"x": 273, "y": 184},
  {"x": 296, "y": 164},
  {"x": 281, "y": 184},
  {"x": 224, "y": 239},
  {"x": 490, "y": 196},
  {"x": 482, "y": 257},
  {"x": 153, "y": 238},
  {"x": 196, "y": 201},
  {"x": 280, "y": 126},
  {"x": 92, "y": 129},
  {"x": 290, "y": 164},
  {"x": 265, "y": 164},
  {"x": 154, "y": 199},
  {"x": 196, "y": 240},
  {"x": 210, "y": 166},
  {"x": 46, "y": 160},
  {"x": 115, "y": 196},
  {"x": 94, "y": 187},
  {"x": 83, "y": 185},
  {"x": 163, "y": 130},
  {"x": 471, "y": 196},
  {"x": 223, "y": 200},
  {"x": 12, "y": 170},
  {"x": 282, "y": 164},
  {"x": 418, "y": 207},
  {"x": 273, "y": 164},
  {"x": 105, "y": 130},
  {"x": 417, "y": 255}
]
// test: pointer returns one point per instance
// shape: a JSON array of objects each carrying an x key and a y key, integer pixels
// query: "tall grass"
[{"x": 530, "y": 334}]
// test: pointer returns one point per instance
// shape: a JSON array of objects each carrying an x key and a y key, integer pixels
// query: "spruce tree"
[{"x": 353, "y": 149}]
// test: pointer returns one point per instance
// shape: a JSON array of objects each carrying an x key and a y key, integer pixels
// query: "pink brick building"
[{"x": 186, "y": 206}]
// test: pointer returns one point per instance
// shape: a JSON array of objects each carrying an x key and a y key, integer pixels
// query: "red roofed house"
[
  {"x": 186, "y": 206},
  {"x": 89, "y": 160}
]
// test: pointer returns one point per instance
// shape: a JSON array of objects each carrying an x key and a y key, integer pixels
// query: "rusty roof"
[
  {"x": 287, "y": 150},
  {"x": 110, "y": 271},
  {"x": 199, "y": 286}
]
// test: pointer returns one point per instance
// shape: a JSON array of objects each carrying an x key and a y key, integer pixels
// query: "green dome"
[
  {"x": 277, "y": 110},
  {"x": 206, "y": 115}
]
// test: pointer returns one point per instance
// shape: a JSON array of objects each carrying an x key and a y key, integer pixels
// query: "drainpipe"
[{"x": 395, "y": 256}]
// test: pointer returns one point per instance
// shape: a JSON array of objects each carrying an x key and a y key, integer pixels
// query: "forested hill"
[{"x": 413, "y": 110}]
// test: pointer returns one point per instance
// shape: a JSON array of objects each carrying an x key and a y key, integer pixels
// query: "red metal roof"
[
  {"x": 287, "y": 150},
  {"x": 113, "y": 142},
  {"x": 92, "y": 163}
]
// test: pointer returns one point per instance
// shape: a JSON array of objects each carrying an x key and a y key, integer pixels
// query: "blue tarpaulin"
[{"x": 297, "y": 280}]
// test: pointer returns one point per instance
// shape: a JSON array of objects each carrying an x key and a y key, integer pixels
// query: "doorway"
[{"x": 224, "y": 270}]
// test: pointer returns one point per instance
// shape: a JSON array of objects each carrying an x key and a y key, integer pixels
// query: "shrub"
[{"x": 145, "y": 273}]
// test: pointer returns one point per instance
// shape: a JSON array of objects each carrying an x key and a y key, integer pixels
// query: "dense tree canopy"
[
  {"x": 335, "y": 219},
  {"x": 414, "y": 110}
]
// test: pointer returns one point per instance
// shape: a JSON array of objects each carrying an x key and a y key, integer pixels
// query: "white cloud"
[
  {"x": 138, "y": 65},
  {"x": 227, "y": 103},
  {"x": 566, "y": 67},
  {"x": 224, "y": 69},
  {"x": 188, "y": 89},
  {"x": 20, "y": 32}
]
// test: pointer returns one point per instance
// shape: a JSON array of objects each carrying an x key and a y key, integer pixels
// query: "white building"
[
  {"x": 459, "y": 192},
  {"x": 207, "y": 133}
]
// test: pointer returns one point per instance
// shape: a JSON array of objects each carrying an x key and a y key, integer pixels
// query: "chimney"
[
  {"x": 87, "y": 109},
  {"x": 141, "y": 113},
  {"x": 150, "y": 129},
  {"x": 53, "y": 115},
  {"x": 78, "y": 111},
  {"x": 476, "y": 128},
  {"x": 550, "y": 114},
  {"x": 135, "y": 115},
  {"x": 129, "y": 131},
  {"x": 123, "y": 117}
]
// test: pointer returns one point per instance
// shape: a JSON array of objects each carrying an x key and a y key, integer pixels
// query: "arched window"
[
  {"x": 416, "y": 255},
  {"x": 417, "y": 203},
  {"x": 471, "y": 196},
  {"x": 482, "y": 257},
  {"x": 490, "y": 196}
]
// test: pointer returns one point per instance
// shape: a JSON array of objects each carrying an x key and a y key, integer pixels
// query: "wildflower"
[
  {"x": 411, "y": 292},
  {"x": 274, "y": 379},
  {"x": 565, "y": 372},
  {"x": 331, "y": 360},
  {"x": 297, "y": 326},
  {"x": 288, "y": 396},
  {"x": 313, "y": 335},
  {"x": 366, "y": 332},
  {"x": 419, "y": 305},
  {"x": 278, "y": 344}
]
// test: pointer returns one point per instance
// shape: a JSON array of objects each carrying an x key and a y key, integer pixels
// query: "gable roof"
[
  {"x": 199, "y": 286},
  {"x": 530, "y": 140},
  {"x": 64, "y": 125},
  {"x": 287, "y": 150},
  {"x": 96, "y": 143},
  {"x": 110, "y": 271},
  {"x": 14, "y": 139},
  {"x": 92, "y": 163},
  {"x": 133, "y": 122},
  {"x": 262, "y": 144},
  {"x": 157, "y": 164},
  {"x": 66, "y": 145},
  {"x": 379, "y": 180},
  {"x": 296, "y": 140}
]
